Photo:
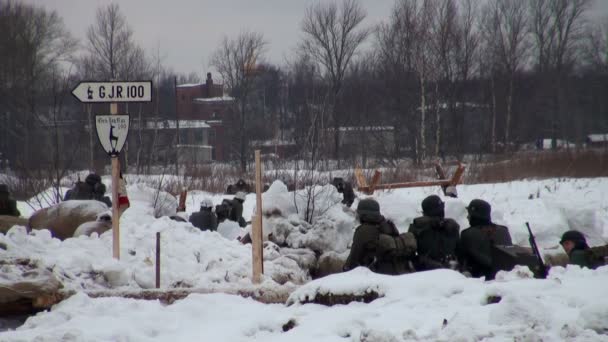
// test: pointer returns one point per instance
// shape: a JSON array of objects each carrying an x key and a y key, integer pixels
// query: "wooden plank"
[
  {"x": 441, "y": 175},
  {"x": 361, "y": 181},
  {"x": 457, "y": 178},
  {"x": 407, "y": 185},
  {"x": 182, "y": 201},
  {"x": 256, "y": 238},
  {"x": 157, "y": 260},
  {"x": 375, "y": 181}
]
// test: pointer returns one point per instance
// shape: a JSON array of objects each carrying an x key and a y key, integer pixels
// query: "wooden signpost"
[
  {"x": 113, "y": 129},
  {"x": 256, "y": 229}
]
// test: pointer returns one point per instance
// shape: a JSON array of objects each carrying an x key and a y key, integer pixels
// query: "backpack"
[
  {"x": 401, "y": 246},
  {"x": 597, "y": 256}
]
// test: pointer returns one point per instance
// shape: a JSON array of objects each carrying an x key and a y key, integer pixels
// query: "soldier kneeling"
[
  {"x": 377, "y": 243},
  {"x": 436, "y": 237},
  {"x": 477, "y": 241}
]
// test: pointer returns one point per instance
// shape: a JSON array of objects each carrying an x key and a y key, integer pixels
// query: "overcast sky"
[{"x": 187, "y": 31}]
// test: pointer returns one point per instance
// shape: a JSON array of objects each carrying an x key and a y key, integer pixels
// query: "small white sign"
[
  {"x": 112, "y": 131},
  {"x": 99, "y": 92}
]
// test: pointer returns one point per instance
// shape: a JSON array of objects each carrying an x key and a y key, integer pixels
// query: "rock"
[
  {"x": 100, "y": 226},
  {"x": 64, "y": 218}
]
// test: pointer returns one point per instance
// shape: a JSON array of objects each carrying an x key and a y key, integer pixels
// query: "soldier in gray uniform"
[{"x": 477, "y": 241}]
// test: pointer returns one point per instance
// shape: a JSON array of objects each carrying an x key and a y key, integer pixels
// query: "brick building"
[{"x": 207, "y": 102}]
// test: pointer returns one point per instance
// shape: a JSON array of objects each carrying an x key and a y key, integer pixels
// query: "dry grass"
[{"x": 539, "y": 165}]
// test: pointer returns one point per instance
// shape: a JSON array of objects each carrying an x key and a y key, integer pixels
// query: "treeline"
[{"x": 436, "y": 78}]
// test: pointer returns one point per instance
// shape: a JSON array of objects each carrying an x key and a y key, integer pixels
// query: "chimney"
[{"x": 209, "y": 84}]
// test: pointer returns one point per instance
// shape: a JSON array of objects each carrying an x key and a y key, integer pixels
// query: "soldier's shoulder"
[{"x": 451, "y": 223}]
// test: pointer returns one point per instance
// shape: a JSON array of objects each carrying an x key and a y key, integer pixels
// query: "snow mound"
[{"x": 439, "y": 305}]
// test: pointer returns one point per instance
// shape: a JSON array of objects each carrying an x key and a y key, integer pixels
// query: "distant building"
[
  {"x": 597, "y": 140},
  {"x": 547, "y": 144},
  {"x": 206, "y": 102},
  {"x": 158, "y": 140}
]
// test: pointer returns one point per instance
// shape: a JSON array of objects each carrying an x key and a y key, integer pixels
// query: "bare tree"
[
  {"x": 236, "y": 60},
  {"x": 595, "y": 51},
  {"x": 557, "y": 27},
  {"x": 506, "y": 25},
  {"x": 332, "y": 35},
  {"x": 111, "y": 48},
  {"x": 33, "y": 43}
]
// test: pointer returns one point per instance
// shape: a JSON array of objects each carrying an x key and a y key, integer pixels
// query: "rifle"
[{"x": 541, "y": 270}]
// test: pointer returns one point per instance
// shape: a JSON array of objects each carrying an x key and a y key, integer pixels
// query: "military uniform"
[
  {"x": 8, "y": 206},
  {"x": 475, "y": 248},
  {"x": 437, "y": 238},
  {"x": 236, "y": 214},
  {"x": 581, "y": 254},
  {"x": 205, "y": 219},
  {"x": 91, "y": 189},
  {"x": 346, "y": 189},
  {"x": 363, "y": 251}
]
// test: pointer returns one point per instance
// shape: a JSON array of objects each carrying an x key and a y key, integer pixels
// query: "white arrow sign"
[
  {"x": 95, "y": 92},
  {"x": 112, "y": 131}
]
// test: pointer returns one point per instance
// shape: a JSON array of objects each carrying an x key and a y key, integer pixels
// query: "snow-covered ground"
[{"x": 571, "y": 304}]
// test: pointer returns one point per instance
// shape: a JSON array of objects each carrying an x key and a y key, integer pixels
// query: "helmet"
[
  {"x": 92, "y": 179},
  {"x": 240, "y": 196},
  {"x": 368, "y": 206},
  {"x": 99, "y": 188},
  {"x": 432, "y": 206},
  {"x": 480, "y": 209},
  {"x": 572, "y": 235},
  {"x": 207, "y": 203}
]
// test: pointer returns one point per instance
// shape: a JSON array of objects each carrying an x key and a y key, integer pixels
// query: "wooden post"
[
  {"x": 115, "y": 185},
  {"x": 157, "y": 260},
  {"x": 182, "y": 200},
  {"x": 256, "y": 233}
]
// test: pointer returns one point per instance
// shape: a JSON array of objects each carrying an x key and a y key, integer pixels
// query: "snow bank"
[
  {"x": 439, "y": 305},
  {"x": 190, "y": 258}
]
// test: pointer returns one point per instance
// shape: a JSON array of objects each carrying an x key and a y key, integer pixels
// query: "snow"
[
  {"x": 597, "y": 138},
  {"x": 214, "y": 99},
  {"x": 170, "y": 124},
  {"x": 569, "y": 305},
  {"x": 438, "y": 305}
]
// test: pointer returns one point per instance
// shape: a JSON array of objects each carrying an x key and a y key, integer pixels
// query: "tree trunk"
[
  {"x": 493, "y": 134},
  {"x": 509, "y": 108},
  {"x": 422, "y": 150},
  {"x": 437, "y": 122}
]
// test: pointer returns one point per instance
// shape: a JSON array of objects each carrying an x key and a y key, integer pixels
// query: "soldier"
[
  {"x": 8, "y": 206},
  {"x": 476, "y": 242},
  {"x": 579, "y": 253},
  {"x": 204, "y": 219},
  {"x": 236, "y": 214},
  {"x": 436, "y": 236},
  {"x": 91, "y": 189},
  {"x": 346, "y": 189},
  {"x": 364, "y": 249}
]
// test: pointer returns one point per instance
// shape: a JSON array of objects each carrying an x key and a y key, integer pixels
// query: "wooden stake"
[
  {"x": 182, "y": 200},
  {"x": 115, "y": 185},
  {"x": 256, "y": 236},
  {"x": 158, "y": 260},
  {"x": 375, "y": 181}
]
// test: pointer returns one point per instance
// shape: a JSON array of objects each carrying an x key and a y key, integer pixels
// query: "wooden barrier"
[{"x": 363, "y": 186}]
